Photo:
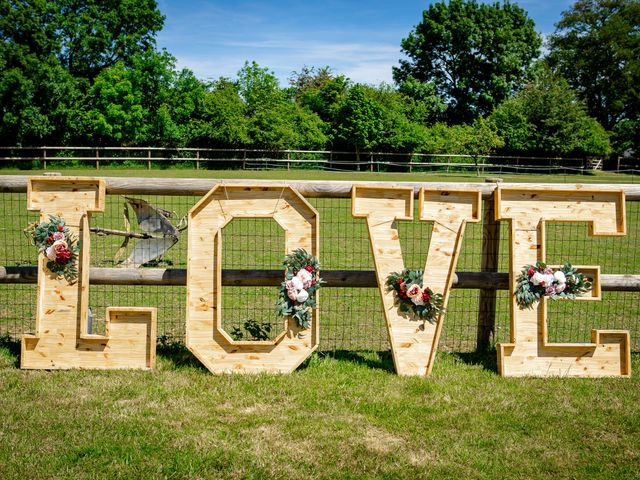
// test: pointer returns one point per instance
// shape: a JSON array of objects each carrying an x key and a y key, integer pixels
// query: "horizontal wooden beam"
[
  {"x": 267, "y": 278},
  {"x": 308, "y": 188}
]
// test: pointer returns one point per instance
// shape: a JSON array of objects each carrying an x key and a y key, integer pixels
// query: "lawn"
[{"x": 345, "y": 415}]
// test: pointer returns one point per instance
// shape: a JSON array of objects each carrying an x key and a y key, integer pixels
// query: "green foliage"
[
  {"x": 475, "y": 54},
  {"x": 51, "y": 53},
  {"x": 478, "y": 139},
  {"x": 527, "y": 293},
  {"x": 413, "y": 298},
  {"x": 256, "y": 331},
  {"x": 296, "y": 264},
  {"x": 596, "y": 47},
  {"x": 547, "y": 118},
  {"x": 43, "y": 236},
  {"x": 94, "y": 35},
  {"x": 359, "y": 120}
]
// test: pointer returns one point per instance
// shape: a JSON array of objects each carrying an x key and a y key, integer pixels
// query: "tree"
[
  {"x": 117, "y": 115},
  {"x": 94, "y": 34},
  {"x": 359, "y": 121},
  {"x": 596, "y": 47},
  {"x": 475, "y": 54},
  {"x": 548, "y": 118},
  {"x": 51, "y": 52}
]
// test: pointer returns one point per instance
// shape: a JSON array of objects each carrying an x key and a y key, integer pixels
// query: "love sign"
[{"x": 414, "y": 302}]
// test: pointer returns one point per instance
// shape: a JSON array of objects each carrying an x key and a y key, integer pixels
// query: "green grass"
[{"x": 344, "y": 415}]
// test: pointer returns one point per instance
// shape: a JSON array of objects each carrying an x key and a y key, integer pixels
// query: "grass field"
[
  {"x": 340, "y": 416},
  {"x": 344, "y": 414}
]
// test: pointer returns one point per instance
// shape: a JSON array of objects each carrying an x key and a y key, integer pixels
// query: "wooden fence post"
[
  {"x": 488, "y": 263},
  {"x": 149, "y": 159},
  {"x": 97, "y": 159},
  {"x": 197, "y": 159},
  {"x": 44, "y": 159}
]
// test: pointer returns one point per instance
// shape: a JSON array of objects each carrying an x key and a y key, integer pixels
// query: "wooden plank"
[
  {"x": 61, "y": 340},
  {"x": 414, "y": 343},
  {"x": 529, "y": 353},
  {"x": 205, "y": 336}
]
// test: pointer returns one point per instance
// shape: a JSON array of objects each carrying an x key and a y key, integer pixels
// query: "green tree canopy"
[
  {"x": 548, "y": 118},
  {"x": 475, "y": 54},
  {"x": 596, "y": 47}
]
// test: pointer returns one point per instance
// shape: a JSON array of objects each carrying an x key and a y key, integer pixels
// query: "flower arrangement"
[
  {"x": 412, "y": 297},
  {"x": 297, "y": 292},
  {"x": 536, "y": 281},
  {"x": 56, "y": 242}
]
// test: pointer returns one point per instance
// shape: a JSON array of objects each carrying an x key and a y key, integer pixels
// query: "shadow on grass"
[
  {"x": 487, "y": 360},
  {"x": 375, "y": 360},
  {"x": 177, "y": 354},
  {"x": 13, "y": 345}
]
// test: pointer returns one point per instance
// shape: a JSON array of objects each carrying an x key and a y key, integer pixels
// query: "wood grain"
[
  {"x": 61, "y": 340},
  {"x": 414, "y": 343},
  {"x": 205, "y": 336},
  {"x": 529, "y": 353}
]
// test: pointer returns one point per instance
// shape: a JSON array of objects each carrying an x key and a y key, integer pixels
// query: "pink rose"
[
  {"x": 58, "y": 236},
  {"x": 414, "y": 291},
  {"x": 305, "y": 277},
  {"x": 292, "y": 291},
  {"x": 560, "y": 287},
  {"x": 419, "y": 300},
  {"x": 550, "y": 290}
]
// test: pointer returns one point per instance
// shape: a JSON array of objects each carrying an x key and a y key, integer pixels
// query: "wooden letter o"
[{"x": 205, "y": 336}]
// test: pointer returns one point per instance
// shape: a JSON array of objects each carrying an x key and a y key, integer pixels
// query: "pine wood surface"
[
  {"x": 414, "y": 343},
  {"x": 529, "y": 353},
  {"x": 61, "y": 340},
  {"x": 205, "y": 336}
]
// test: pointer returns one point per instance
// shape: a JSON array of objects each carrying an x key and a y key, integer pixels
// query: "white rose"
[
  {"x": 302, "y": 297},
  {"x": 297, "y": 283},
  {"x": 537, "y": 278},
  {"x": 548, "y": 279},
  {"x": 50, "y": 253},
  {"x": 560, "y": 287},
  {"x": 559, "y": 277}
]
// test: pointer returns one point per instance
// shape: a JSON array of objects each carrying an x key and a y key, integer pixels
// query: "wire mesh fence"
[{"x": 350, "y": 318}]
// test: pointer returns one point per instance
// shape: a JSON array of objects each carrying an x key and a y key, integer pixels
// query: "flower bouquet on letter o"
[
  {"x": 61, "y": 248},
  {"x": 298, "y": 291},
  {"x": 539, "y": 280},
  {"x": 412, "y": 298}
]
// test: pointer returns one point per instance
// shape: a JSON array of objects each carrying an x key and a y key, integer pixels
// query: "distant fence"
[
  {"x": 351, "y": 310},
  {"x": 212, "y": 158}
]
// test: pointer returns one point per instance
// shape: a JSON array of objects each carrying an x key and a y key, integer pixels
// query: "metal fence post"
[{"x": 488, "y": 263}]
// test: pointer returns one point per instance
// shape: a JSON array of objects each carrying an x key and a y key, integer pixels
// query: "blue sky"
[{"x": 358, "y": 39}]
